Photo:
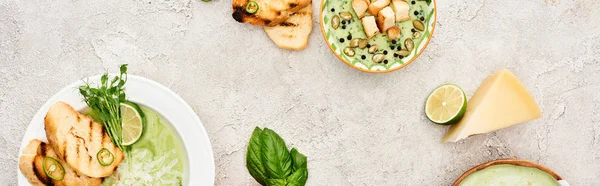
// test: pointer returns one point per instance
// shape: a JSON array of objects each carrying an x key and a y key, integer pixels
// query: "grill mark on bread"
[
  {"x": 44, "y": 178},
  {"x": 64, "y": 150},
  {"x": 288, "y": 24},
  {"x": 238, "y": 14},
  {"x": 104, "y": 137},
  {"x": 298, "y": 13},
  {"x": 40, "y": 151},
  {"x": 81, "y": 141},
  {"x": 90, "y": 135}
]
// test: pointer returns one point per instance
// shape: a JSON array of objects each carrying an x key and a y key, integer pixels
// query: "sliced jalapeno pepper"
[
  {"x": 105, "y": 157},
  {"x": 53, "y": 168},
  {"x": 251, "y": 7}
]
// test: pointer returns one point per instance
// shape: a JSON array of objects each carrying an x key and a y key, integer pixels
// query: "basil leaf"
[
  {"x": 254, "y": 158},
  {"x": 275, "y": 156},
  {"x": 298, "y": 178},
  {"x": 276, "y": 182},
  {"x": 298, "y": 159}
]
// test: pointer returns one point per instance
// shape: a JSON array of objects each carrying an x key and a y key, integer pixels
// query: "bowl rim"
[
  {"x": 377, "y": 71},
  {"x": 510, "y": 161}
]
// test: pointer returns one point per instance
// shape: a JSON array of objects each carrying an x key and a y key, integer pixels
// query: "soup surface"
[
  {"x": 510, "y": 175},
  {"x": 156, "y": 158}
]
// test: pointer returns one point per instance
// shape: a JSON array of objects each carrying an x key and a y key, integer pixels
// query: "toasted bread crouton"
[
  {"x": 401, "y": 9},
  {"x": 393, "y": 33},
  {"x": 77, "y": 139},
  {"x": 376, "y": 6},
  {"x": 360, "y": 7},
  {"x": 31, "y": 165},
  {"x": 385, "y": 19},
  {"x": 370, "y": 26},
  {"x": 270, "y": 12},
  {"x": 293, "y": 33}
]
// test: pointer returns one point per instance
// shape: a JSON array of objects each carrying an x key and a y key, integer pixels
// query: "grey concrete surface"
[{"x": 356, "y": 128}]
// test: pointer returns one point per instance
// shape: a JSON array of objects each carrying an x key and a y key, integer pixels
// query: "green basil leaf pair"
[{"x": 271, "y": 164}]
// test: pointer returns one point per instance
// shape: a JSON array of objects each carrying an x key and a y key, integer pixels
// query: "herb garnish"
[
  {"x": 105, "y": 101},
  {"x": 270, "y": 163}
]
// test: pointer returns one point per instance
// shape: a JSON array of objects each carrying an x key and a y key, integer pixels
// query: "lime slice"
[
  {"x": 446, "y": 105},
  {"x": 133, "y": 122}
]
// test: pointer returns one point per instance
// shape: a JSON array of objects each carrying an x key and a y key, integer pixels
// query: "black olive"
[
  {"x": 341, "y": 40},
  {"x": 368, "y": 45},
  {"x": 349, "y": 21},
  {"x": 363, "y": 57},
  {"x": 393, "y": 42},
  {"x": 343, "y": 22},
  {"x": 349, "y": 37},
  {"x": 343, "y": 26},
  {"x": 399, "y": 48},
  {"x": 401, "y": 57},
  {"x": 395, "y": 55},
  {"x": 413, "y": 2},
  {"x": 385, "y": 52},
  {"x": 422, "y": 19},
  {"x": 332, "y": 9},
  {"x": 416, "y": 13},
  {"x": 413, "y": 30},
  {"x": 385, "y": 61}
]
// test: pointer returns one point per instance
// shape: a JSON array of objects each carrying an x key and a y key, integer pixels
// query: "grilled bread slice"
[
  {"x": 270, "y": 12},
  {"x": 293, "y": 33},
  {"x": 31, "y": 165},
  {"x": 76, "y": 138}
]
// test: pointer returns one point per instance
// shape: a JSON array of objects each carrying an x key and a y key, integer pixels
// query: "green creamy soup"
[
  {"x": 354, "y": 29},
  {"x": 510, "y": 175},
  {"x": 156, "y": 159}
]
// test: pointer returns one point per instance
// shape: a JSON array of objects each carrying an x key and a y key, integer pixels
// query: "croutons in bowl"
[{"x": 377, "y": 35}]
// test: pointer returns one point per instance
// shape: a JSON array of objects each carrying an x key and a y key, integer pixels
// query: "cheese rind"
[{"x": 501, "y": 101}]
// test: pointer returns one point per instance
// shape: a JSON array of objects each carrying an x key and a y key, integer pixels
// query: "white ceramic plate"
[{"x": 200, "y": 168}]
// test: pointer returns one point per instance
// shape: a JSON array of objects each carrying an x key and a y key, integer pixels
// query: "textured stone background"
[{"x": 356, "y": 128}]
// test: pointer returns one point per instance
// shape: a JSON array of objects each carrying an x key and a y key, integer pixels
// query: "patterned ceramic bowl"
[{"x": 339, "y": 30}]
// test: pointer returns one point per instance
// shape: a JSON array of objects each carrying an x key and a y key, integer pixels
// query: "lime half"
[
  {"x": 132, "y": 123},
  {"x": 446, "y": 105}
]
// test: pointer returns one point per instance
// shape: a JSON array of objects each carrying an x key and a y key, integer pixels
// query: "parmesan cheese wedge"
[{"x": 500, "y": 102}]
